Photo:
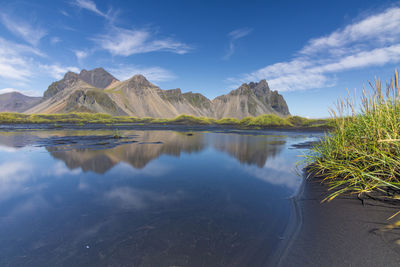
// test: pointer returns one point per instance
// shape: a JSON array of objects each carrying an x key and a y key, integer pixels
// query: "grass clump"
[
  {"x": 362, "y": 155},
  {"x": 228, "y": 121},
  {"x": 187, "y": 119},
  {"x": 269, "y": 120}
]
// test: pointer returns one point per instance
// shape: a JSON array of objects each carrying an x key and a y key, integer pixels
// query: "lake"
[{"x": 150, "y": 198}]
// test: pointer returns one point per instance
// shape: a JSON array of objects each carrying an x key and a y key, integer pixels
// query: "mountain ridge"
[
  {"x": 17, "y": 102},
  {"x": 98, "y": 91}
]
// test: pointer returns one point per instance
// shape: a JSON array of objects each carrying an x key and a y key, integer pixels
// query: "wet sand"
[{"x": 342, "y": 232}]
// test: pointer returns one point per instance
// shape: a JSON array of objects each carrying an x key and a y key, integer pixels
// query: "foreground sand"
[{"x": 342, "y": 232}]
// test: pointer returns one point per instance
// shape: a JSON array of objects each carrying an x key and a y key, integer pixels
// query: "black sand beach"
[{"x": 342, "y": 232}]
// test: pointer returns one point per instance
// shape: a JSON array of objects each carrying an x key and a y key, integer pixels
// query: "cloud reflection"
[
  {"x": 278, "y": 171},
  {"x": 131, "y": 198}
]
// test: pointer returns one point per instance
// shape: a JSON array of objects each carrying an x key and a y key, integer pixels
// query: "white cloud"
[
  {"x": 65, "y": 13},
  {"x": 239, "y": 33},
  {"x": 234, "y": 35},
  {"x": 154, "y": 74},
  {"x": 131, "y": 198},
  {"x": 55, "y": 40},
  {"x": 27, "y": 31},
  {"x": 125, "y": 42},
  {"x": 15, "y": 60},
  {"x": 13, "y": 177},
  {"x": 379, "y": 28},
  {"x": 371, "y": 41},
  {"x": 18, "y": 65},
  {"x": 80, "y": 54},
  {"x": 89, "y": 5},
  {"x": 59, "y": 169},
  {"x": 56, "y": 71},
  {"x": 8, "y": 90}
]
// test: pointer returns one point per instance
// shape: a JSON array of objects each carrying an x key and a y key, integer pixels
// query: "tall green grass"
[{"x": 362, "y": 154}]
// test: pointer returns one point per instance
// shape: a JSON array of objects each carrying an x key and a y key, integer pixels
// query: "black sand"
[{"x": 342, "y": 232}]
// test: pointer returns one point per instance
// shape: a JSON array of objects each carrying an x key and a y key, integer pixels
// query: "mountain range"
[
  {"x": 97, "y": 91},
  {"x": 17, "y": 102}
]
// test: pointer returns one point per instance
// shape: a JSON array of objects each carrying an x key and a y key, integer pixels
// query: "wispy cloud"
[
  {"x": 29, "y": 32},
  {"x": 234, "y": 35},
  {"x": 154, "y": 74},
  {"x": 382, "y": 28},
  {"x": 15, "y": 60},
  {"x": 373, "y": 40},
  {"x": 89, "y": 5},
  {"x": 65, "y": 13},
  {"x": 20, "y": 63},
  {"x": 126, "y": 42}
]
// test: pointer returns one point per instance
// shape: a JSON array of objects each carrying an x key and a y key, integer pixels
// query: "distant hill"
[
  {"x": 17, "y": 102},
  {"x": 98, "y": 91}
]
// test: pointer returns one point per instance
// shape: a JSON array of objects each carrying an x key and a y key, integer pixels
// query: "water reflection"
[
  {"x": 249, "y": 149},
  {"x": 205, "y": 199},
  {"x": 137, "y": 154}
]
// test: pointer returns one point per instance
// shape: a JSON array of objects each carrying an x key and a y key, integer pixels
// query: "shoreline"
[
  {"x": 151, "y": 126},
  {"x": 291, "y": 231},
  {"x": 342, "y": 232}
]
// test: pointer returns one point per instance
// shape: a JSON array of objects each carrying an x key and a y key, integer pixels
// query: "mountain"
[
  {"x": 17, "y": 102},
  {"x": 73, "y": 94},
  {"x": 98, "y": 77},
  {"x": 139, "y": 97},
  {"x": 250, "y": 100},
  {"x": 98, "y": 91}
]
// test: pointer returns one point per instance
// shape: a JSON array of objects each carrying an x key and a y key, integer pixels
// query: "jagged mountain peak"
[
  {"x": 139, "y": 81},
  {"x": 259, "y": 88},
  {"x": 69, "y": 79},
  {"x": 70, "y": 76},
  {"x": 250, "y": 99},
  {"x": 97, "y": 77}
]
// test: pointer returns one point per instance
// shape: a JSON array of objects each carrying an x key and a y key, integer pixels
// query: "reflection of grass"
[
  {"x": 261, "y": 121},
  {"x": 362, "y": 155}
]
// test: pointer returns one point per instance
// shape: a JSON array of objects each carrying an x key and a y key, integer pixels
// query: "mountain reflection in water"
[
  {"x": 152, "y": 198},
  {"x": 248, "y": 149},
  {"x": 138, "y": 155}
]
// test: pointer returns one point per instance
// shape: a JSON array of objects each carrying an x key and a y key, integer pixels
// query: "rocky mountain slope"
[
  {"x": 98, "y": 91},
  {"x": 17, "y": 102},
  {"x": 250, "y": 100}
]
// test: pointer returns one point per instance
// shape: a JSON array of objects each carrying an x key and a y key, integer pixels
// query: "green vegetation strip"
[
  {"x": 88, "y": 118},
  {"x": 362, "y": 155}
]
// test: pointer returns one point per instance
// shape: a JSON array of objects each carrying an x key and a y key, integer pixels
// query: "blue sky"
[{"x": 310, "y": 51}]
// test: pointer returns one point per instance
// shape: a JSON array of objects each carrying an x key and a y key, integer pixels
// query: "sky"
[{"x": 309, "y": 51}]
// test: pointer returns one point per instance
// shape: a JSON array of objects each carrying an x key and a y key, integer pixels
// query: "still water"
[{"x": 151, "y": 198}]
